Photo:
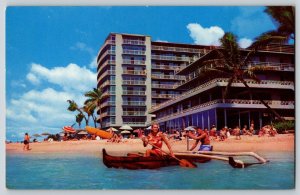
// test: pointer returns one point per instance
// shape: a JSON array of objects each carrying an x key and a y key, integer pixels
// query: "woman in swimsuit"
[{"x": 156, "y": 138}]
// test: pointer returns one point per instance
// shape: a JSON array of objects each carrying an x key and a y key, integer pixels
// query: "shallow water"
[{"x": 88, "y": 172}]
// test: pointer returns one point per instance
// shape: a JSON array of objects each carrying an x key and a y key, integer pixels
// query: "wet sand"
[{"x": 283, "y": 142}]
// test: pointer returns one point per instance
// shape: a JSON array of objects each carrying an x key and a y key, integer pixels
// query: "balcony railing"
[
  {"x": 134, "y": 103},
  {"x": 133, "y": 42},
  {"x": 133, "y": 82},
  {"x": 167, "y": 96},
  {"x": 135, "y": 72},
  {"x": 131, "y": 92},
  {"x": 165, "y": 86},
  {"x": 162, "y": 76},
  {"x": 106, "y": 73},
  {"x": 223, "y": 82},
  {"x": 104, "y": 114},
  {"x": 167, "y": 67},
  {"x": 109, "y": 103},
  {"x": 133, "y": 52},
  {"x": 107, "y": 83},
  {"x": 229, "y": 103},
  {"x": 132, "y": 124},
  {"x": 108, "y": 93},
  {"x": 107, "y": 52},
  {"x": 171, "y": 58},
  {"x": 134, "y": 113},
  {"x": 107, "y": 62},
  {"x": 179, "y": 49},
  {"x": 134, "y": 62}
]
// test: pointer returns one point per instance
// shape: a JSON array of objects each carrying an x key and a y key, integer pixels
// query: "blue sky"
[{"x": 50, "y": 51}]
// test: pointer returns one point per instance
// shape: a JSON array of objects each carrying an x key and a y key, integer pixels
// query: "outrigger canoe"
[{"x": 136, "y": 161}]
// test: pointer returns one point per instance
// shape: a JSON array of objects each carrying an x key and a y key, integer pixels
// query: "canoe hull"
[
  {"x": 101, "y": 133},
  {"x": 141, "y": 162}
]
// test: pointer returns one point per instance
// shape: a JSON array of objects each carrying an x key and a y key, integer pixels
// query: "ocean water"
[{"x": 58, "y": 171}]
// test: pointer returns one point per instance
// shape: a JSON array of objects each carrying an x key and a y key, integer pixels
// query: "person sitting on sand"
[
  {"x": 245, "y": 131},
  {"x": 272, "y": 131},
  {"x": 251, "y": 129},
  {"x": 26, "y": 142},
  {"x": 156, "y": 139},
  {"x": 202, "y": 137},
  {"x": 237, "y": 133},
  {"x": 223, "y": 135},
  {"x": 213, "y": 132}
]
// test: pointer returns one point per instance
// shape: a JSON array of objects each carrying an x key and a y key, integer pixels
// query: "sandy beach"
[{"x": 282, "y": 142}]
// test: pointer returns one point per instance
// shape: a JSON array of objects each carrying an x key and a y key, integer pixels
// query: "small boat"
[{"x": 136, "y": 161}]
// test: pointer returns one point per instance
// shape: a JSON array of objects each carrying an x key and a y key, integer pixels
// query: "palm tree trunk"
[{"x": 261, "y": 100}]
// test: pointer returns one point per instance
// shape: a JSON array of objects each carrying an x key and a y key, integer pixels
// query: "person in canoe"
[
  {"x": 201, "y": 137},
  {"x": 156, "y": 139}
]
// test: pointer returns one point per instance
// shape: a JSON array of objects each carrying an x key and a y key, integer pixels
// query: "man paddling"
[
  {"x": 202, "y": 137},
  {"x": 156, "y": 139}
]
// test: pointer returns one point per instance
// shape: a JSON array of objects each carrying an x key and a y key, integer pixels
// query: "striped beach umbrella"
[{"x": 69, "y": 129}]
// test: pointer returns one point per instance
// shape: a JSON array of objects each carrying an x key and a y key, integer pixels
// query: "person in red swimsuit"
[{"x": 156, "y": 138}]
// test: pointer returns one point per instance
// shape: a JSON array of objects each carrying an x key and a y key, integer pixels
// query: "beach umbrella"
[
  {"x": 82, "y": 133},
  {"x": 190, "y": 128},
  {"x": 126, "y": 127},
  {"x": 36, "y": 135},
  {"x": 113, "y": 129},
  {"x": 125, "y": 131},
  {"x": 69, "y": 129}
]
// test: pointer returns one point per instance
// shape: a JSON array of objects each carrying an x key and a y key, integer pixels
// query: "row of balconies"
[
  {"x": 133, "y": 82},
  {"x": 133, "y": 92},
  {"x": 165, "y": 86},
  {"x": 106, "y": 73},
  {"x": 165, "y": 96},
  {"x": 179, "y": 49},
  {"x": 107, "y": 62},
  {"x": 133, "y": 42},
  {"x": 162, "y": 76},
  {"x": 134, "y": 113},
  {"x": 107, "y": 83},
  {"x": 229, "y": 103},
  {"x": 134, "y": 103},
  {"x": 108, "y": 103},
  {"x": 135, "y": 72},
  {"x": 134, "y": 62},
  {"x": 168, "y": 67},
  {"x": 134, "y": 52},
  {"x": 172, "y": 58},
  {"x": 107, "y": 52},
  {"x": 224, "y": 82},
  {"x": 132, "y": 124}
]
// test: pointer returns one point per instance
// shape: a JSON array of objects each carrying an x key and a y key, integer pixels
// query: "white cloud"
[
  {"x": 45, "y": 108},
  {"x": 205, "y": 36},
  {"x": 244, "y": 42},
  {"x": 93, "y": 63},
  {"x": 71, "y": 77},
  {"x": 82, "y": 47}
]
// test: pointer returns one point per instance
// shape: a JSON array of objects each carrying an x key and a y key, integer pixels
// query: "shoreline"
[{"x": 279, "y": 143}]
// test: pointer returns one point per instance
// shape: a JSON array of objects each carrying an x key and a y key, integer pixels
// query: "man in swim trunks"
[
  {"x": 202, "y": 137},
  {"x": 26, "y": 142},
  {"x": 156, "y": 138}
]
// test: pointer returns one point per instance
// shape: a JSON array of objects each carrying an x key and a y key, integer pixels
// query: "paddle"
[{"x": 182, "y": 162}]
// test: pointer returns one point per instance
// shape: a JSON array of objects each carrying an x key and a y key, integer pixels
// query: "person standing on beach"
[
  {"x": 156, "y": 139},
  {"x": 202, "y": 137},
  {"x": 26, "y": 142}
]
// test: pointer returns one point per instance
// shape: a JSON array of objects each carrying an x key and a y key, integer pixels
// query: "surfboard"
[{"x": 101, "y": 133}]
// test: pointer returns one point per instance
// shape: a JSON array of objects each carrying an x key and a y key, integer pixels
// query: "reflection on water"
[{"x": 88, "y": 172}]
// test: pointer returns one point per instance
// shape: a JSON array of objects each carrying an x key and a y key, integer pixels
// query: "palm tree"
[
  {"x": 79, "y": 118},
  {"x": 284, "y": 19},
  {"x": 89, "y": 109},
  {"x": 235, "y": 67},
  {"x": 74, "y": 107},
  {"x": 94, "y": 100}
]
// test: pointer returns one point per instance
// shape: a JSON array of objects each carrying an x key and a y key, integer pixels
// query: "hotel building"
[
  {"x": 202, "y": 103},
  {"x": 135, "y": 73}
]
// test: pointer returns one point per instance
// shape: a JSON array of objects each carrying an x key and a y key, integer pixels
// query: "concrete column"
[
  {"x": 148, "y": 79},
  {"x": 119, "y": 70}
]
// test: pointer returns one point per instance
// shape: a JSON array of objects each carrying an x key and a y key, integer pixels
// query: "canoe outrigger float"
[{"x": 138, "y": 161}]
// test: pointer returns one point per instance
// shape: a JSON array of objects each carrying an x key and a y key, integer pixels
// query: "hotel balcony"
[
  {"x": 132, "y": 92},
  {"x": 107, "y": 52},
  {"x": 134, "y": 113},
  {"x": 135, "y": 124},
  {"x": 223, "y": 82},
  {"x": 133, "y": 82},
  {"x": 133, "y": 42},
  {"x": 110, "y": 42},
  {"x": 229, "y": 103},
  {"x": 107, "y": 83},
  {"x": 179, "y": 49},
  {"x": 133, "y": 52},
  {"x": 164, "y": 86},
  {"x": 171, "y": 58},
  {"x": 164, "y": 96},
  {"x": 107, "y": 62},
  {"x": 108, "y": 93},
  {"x": 109, "y": 103},
  {"x": 134, "y": 103},
  {"x": 134, "y": 62},
  {"x": 105, "y": 114},
  {"x": 167, "y": 67},
  {"x": 106, "y": 73},
  {"x": 168, "y": 77},
  {"x": 135, "y": 72}
]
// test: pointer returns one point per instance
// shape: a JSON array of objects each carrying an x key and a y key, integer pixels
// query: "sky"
[{"x": 51, "y": 51}]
